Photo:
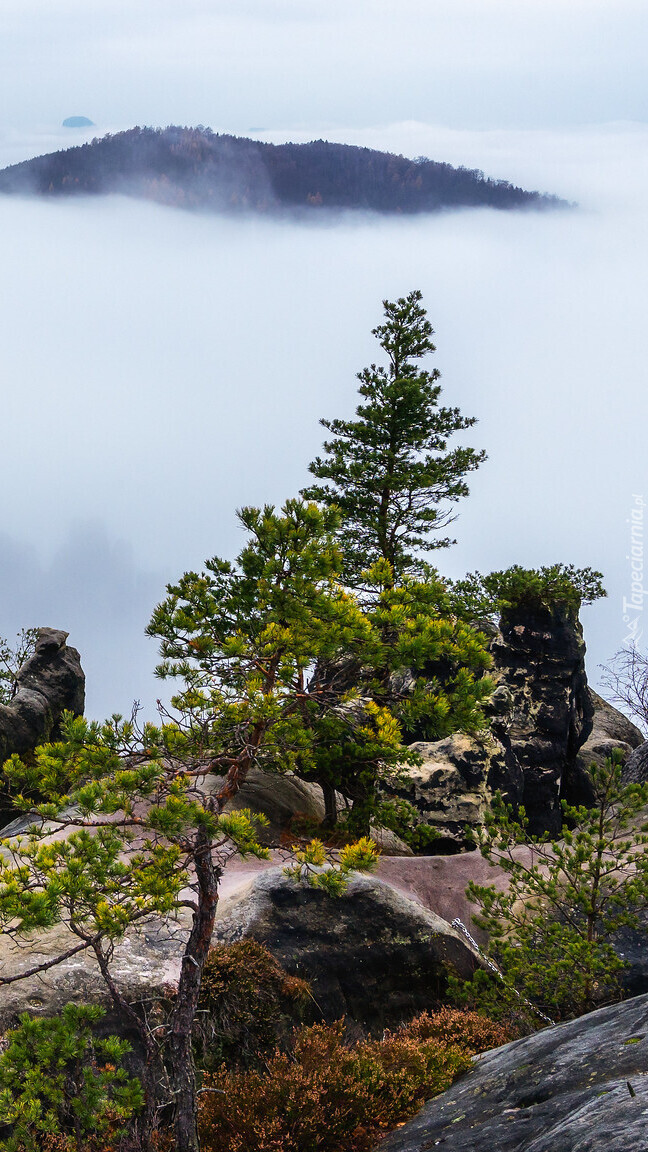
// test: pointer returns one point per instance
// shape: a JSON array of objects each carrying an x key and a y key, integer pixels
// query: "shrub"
[
  {"x": 471, "y": 1030},
  {"x": 531, "y": 589},
  {"x": 59, "y": 1083},
  {"x": 327, "y": 1097},
  {"x": 247, "y": 1003}
]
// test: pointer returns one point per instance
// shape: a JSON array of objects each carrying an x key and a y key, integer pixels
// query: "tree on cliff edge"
[
  {"x": 389, "y": 471},
  {"x": 131, "y": 826}
]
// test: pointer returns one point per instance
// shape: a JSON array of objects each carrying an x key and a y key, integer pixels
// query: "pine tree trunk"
[
  {"x": 180, "y": 1053},
  {"x": 330, "y": 806}
]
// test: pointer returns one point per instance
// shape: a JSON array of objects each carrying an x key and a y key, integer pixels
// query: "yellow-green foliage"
[{"x": 332, "y": 874}]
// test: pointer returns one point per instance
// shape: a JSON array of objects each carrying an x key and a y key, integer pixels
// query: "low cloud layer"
[
  {"x": 163, "y": 368},
  {"x": 261, "y": 64}
]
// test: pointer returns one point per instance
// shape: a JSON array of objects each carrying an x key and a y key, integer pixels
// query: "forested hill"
[{"x": 197, "y": 168}]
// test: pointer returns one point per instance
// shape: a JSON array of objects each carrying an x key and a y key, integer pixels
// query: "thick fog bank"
[
  {"x": 269, "y": 62},
  {"x": 163, "y": 368}
]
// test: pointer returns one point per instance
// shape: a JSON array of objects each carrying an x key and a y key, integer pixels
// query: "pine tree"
[
  {"x": 389, "y": 471},
  {"x": 241, "y": 638},
  {"x": 552, "y": 929}
]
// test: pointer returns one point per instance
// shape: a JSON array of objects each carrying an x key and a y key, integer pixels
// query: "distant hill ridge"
[{"x": 198, "y": 168}]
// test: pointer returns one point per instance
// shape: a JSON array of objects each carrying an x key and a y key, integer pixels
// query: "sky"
[{"x": 162, "y": 368}]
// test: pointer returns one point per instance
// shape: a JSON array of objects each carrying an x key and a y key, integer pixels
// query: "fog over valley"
[{"x": 163, "y": 368}]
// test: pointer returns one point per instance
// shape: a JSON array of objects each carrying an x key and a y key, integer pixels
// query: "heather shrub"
[
  {"x": 471, "y": 1030},
  {"x": 248, "y": 1003},
  {"x": 325, "y": 1096}
]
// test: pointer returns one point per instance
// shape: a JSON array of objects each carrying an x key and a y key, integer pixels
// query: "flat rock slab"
[{"x": 565, "y": 1089}]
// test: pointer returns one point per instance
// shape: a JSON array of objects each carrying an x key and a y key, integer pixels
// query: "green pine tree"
[
  {"x": 551, "y": 930},
  {"x": 129, "y": 820},
  {"x": 389, "y": 471},
  {"x": 57, "y": 1078}
]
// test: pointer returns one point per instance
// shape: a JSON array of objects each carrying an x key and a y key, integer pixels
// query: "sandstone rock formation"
[
  {"x": 610, "y": 730},
  {"x": 546, "y": 728},
  {"x": 455, "y": 782},
  {"x": 539, "y": 656},
  {"x": 376, "y": 954},
  {"x": 635, "y": 770},
  {"x": 373, "y": 955},
  {"x": 48, "y": 684},
  {"x": 579, "y": 1086}
]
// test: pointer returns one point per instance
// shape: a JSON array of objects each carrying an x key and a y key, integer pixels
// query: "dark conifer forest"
[{"x": 198, "y": 168}]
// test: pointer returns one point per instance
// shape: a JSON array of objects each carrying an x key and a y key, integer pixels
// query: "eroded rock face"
[
  {"x": 372, "y": 955},
  {"x": 454, "y": 785},
  {"x": 49, "y": 683},
  {"x": 610, "y": 730},
  {"x": 560, "y": 1090},
  {"x": 540, "y": 658},
  {"x": 545, "y": 729},
  {"x": 635, "y": 770}
]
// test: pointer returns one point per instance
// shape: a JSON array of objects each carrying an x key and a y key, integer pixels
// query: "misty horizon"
[
  {"x": 162, "y": 368},
  {"x": 181, "y": 406}
]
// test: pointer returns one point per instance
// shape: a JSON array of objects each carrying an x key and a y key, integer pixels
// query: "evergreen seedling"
[{"x": 551, "y": 931}]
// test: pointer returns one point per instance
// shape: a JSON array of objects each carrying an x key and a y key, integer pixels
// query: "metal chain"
[{"x": 461, "y": 927}]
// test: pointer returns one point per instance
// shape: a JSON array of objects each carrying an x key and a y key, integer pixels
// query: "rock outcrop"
[
  {"x": 375, "y": 954},
  {"x": 539, "y": 656},
  {"x": 454, "y": 784},
  {"x": 372, "y": 955},
  {"x": 610, "y": 730},
  {"x": 546, "y": 728},
  {"x": 578, "y": 1087},
  {"x": 635, "y": 769},
  {"x": 50, "y": 683}
]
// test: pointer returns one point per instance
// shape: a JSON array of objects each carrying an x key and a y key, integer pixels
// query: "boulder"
[
  {"x": 635, "y": 769},
  {"x": 576, "y": 1087},
  {"x": 50, "y": 683},
  {"x": 375, "y": 954},
  {"x": 454, "y": 785},
  {"x": 279, "y": 798},
  {"x": 282, "y": 797},
  {"x": 610, "y": 730},
  {"x": 146, "y": 964},
  {"x": 372, "y": 955}
]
